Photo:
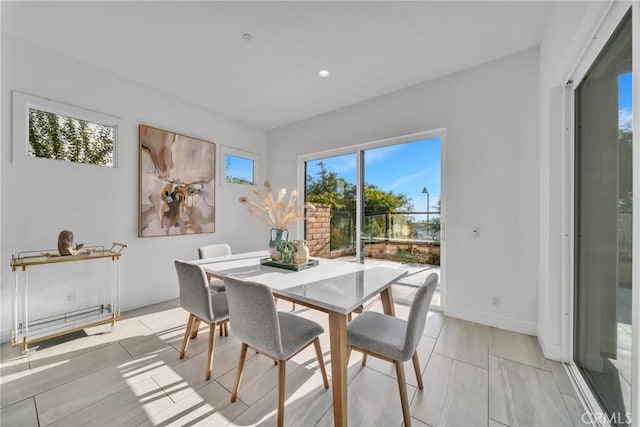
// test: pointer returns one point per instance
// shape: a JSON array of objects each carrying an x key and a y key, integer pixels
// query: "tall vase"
[{"x": 276, "y": 235}]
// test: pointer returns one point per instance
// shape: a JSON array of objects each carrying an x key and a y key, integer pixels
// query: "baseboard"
[
  {"x": 553, "y": 352},
  {"x": 502, "y": 322}
]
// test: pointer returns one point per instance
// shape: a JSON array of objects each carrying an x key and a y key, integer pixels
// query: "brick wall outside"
[
  {"x": 319, "y": 230},
  {"x": 319, "y": 234},
  {"x": 319, "y": 239}
]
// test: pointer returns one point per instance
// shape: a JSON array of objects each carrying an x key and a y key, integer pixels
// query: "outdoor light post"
[{"x": 425, "y": 191}]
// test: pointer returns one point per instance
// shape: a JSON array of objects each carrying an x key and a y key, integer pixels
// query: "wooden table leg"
[
  {"x": 339, "y": 362},
  {"x": 387, "y": 302}
]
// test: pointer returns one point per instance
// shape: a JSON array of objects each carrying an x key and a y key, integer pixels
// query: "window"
[
  {"x": 55, "y": 136},
  {"x": 239, "y": 169},
  {"x": 51, "y": 130}
]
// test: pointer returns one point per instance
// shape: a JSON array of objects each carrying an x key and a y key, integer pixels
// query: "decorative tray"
[{"x": 295, "y": 267}]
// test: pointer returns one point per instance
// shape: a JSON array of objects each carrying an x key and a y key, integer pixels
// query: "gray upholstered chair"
[
  {"x": 202, "y": 305},
  {"x": 277, "y": 335},
  {"x": 393, "y": 339},
  {"x": 215, "y": 285},
  {"x": 212, "y": 251}
]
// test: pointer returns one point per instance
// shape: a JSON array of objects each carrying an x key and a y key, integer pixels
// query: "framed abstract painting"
[{"x": 176, "y": 184}]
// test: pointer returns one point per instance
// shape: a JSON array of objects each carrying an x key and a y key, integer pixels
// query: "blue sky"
[
  {"x": 403, "y": 168},
  {"x": 238, "y": 167},
  {"x": 624, "y": 98}
]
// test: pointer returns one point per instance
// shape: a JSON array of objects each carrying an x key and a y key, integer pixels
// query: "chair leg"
[
  {"x": 402, "y": 386},
  {"x": 212, "y": 342},
  {"x": 226, "y": 328},
  {"x": 236, "y": 386},
  {"x": 416, "y": 367},
  {"x": 364, "y": 359},
  {"x": 316, "y": 344},
  {"x": 194, "y": 329},
  {"x": 349, "y": 316},
  {"x": 221, "y": 327},
  {"x": 187, "y": 335},
  {"x": 282, "y": 375}
]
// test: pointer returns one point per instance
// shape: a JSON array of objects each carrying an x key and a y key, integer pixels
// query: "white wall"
[
  {"x": 100, "y": 205},
  {"x": 491, "y": 173}
]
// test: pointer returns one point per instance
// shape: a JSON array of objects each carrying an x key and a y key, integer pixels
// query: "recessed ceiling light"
[
  {"x": 247, "y": 37},
  {"x": 323, "y": 73}
]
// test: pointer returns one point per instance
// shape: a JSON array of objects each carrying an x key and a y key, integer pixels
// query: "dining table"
[{"x": 332, "y": 286}]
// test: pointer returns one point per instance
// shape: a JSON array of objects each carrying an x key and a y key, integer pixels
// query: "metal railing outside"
[{"x": 397, "y": 227}]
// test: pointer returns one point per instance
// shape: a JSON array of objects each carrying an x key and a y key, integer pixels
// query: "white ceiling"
[{"x": 195, "y": 50}]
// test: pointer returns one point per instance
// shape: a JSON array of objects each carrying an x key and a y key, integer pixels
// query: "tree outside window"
[{"x": 54, "y": 136}]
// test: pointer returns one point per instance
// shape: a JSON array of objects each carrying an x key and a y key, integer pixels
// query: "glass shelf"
[{"x": 29, "y": 326}]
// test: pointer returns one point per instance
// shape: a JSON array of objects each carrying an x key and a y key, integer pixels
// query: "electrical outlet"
[
  {"x": 71, "y": 298},
  {"x": 495, "y": 301}
]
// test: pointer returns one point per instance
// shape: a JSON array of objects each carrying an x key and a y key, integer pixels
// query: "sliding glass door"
[
  {"x": 379, "y": 203},
  {"x": 603, "y": 225}
]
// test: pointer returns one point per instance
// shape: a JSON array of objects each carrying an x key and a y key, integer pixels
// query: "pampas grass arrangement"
[{"x": 275, "y": 212}]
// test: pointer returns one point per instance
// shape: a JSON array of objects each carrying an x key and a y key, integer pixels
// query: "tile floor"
[{"x": 474, "y": 375}]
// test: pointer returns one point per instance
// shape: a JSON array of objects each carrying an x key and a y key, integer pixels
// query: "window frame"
[
  {"x": 23, "y": 102},
  {"x": 224, "y": 151}
]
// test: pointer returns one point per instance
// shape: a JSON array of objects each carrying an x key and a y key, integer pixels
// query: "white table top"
[{"x": 332, "y": 285}]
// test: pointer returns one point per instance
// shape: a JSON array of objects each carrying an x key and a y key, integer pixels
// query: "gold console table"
[{"x": 26, "y": 330}]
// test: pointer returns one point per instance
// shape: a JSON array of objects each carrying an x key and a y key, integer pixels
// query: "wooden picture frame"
[{"x": 176, "y": 184}]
